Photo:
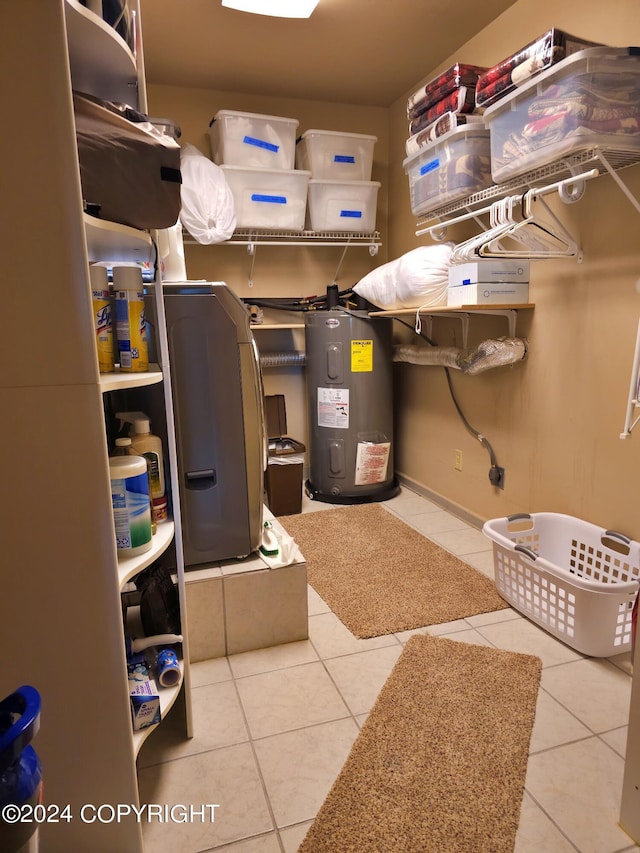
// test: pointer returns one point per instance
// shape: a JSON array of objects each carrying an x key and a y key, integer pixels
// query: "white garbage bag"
[{"x": 208, "y": 210}]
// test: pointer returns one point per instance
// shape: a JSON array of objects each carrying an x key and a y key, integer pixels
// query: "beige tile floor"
[{"x": 273, "y": 727}]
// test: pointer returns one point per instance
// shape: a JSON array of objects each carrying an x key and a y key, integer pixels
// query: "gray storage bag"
[{"x": 129, "y": 169}]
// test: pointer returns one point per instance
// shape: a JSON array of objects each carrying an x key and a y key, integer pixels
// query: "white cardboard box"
[
  {"x": 143, "y": 694},
  {"x": 502, "y": 292},
  {"x": 490, "y": 270}
]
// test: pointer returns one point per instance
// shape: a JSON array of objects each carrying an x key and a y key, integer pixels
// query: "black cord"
[
  {"x": 303, "y": 303},
  {"x": 474, "y": 432}
]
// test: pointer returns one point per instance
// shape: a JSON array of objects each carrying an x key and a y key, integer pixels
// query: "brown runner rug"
[
  {"x": 380, "y": 576},
  {"x": 439, "y": 765}
]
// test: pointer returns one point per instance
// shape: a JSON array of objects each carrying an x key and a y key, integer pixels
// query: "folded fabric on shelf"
[
  {"x": 441, "y": 126},
  {"x": 463, "y": 174},
  {"x": 576, "y": 108},
  {"x": 534, "y": 57},
  {"x": 443, "y": 85},
  {"x": 463, "y": 100}
]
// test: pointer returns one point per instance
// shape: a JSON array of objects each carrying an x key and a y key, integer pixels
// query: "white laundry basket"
[{"x": 576, "y": 580}]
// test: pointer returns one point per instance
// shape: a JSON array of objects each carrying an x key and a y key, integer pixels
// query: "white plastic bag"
[
  {"x": 208, "y": 211},
  {"x": 419, "y": 278}
]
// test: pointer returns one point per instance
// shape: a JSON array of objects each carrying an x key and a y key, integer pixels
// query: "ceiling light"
[{"x": 275, "y": 8}]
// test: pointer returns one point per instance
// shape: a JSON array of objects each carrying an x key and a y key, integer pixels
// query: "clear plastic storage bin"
[
  {"x": 455, "y": 166},
  {"x": 271, "y": 199},
  {"x": 574, "y": 579},
  {"x": 333, "y": 156},
  {"x": 253, "y": 140},
  {"x": 348, "y": 206},
  {"x": 589, "y": 99}
]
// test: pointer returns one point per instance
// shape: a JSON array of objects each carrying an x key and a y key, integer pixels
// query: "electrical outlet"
[
  {"x": 496, "y": 476},
  {"x": 458, "y": 461}
]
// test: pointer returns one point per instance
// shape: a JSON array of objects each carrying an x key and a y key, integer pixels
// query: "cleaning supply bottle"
[
  {"x": 148, "y": 445},
  {"x": 102, "y": 320},
  {"x": 131, "y": 327},
  {"x": 123, "y": 447},
  {"x": 269, "y": 544},
  {"x": 131, "y": 504}
]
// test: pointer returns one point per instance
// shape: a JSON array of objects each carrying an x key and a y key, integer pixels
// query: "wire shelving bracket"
[{"x": 252, "y": 238}]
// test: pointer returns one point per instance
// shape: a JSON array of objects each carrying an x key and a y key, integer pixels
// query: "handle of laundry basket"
[
  {"x": 613, "y": 534},
  {"x": 526, "y": 551},
  {"x": 518, "y": 516}
]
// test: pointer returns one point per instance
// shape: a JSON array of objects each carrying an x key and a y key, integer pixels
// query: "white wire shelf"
[
  {"x": 609, "y": 161},
  {"x": 258, "y": 237}
]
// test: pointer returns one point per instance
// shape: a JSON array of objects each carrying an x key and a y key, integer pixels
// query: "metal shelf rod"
[{"x": 536, "y": 192}]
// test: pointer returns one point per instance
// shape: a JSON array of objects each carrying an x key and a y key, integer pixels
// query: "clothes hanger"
[
  {"x": 533, "y": 236},
  {"x": 500, "y": 219}
]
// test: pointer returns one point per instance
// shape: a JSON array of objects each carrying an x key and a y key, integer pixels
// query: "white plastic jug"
[{"x": 171, "y": 251}]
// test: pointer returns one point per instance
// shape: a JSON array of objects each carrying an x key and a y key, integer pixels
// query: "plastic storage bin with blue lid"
[{"x": 456, "y": 165}]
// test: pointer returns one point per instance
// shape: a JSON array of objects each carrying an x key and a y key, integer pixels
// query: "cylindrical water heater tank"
[{"x": 350, "y": 403}]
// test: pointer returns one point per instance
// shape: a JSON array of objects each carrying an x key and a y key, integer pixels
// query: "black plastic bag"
[{"x": 159, "y": 603}]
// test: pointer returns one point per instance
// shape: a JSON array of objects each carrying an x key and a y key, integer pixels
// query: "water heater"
[{"x": 350, "y": 404}]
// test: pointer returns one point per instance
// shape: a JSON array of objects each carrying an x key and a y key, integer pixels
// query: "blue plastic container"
[{"x": 20, "y": 771}]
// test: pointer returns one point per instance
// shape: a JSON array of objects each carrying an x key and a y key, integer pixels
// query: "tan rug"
[
  {"x": 380, "y": 576},
  {"x": 440, "y": 763}
]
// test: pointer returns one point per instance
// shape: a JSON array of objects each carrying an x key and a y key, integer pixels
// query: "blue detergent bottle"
[{"x": 20, "y": 771}]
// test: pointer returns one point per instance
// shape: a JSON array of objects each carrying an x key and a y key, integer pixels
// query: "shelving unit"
[
  {"x": 128, "y": 567},
  {"x": 568, "y": 177},
  {"x": 99, "y": 61},
  {"x": 61, "y": 614},
  {"x": 118, "y": 381},
  {"x": 257, "y": 327},
  {"x": 462, "y": 313},
  {"x": 609, "y": 162},
  {"x": 110, "y": 239},
  {"x": 252, "y": 238},
  {"x": 168, "y": 696}
]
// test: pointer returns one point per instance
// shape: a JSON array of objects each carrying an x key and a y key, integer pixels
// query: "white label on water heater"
[
  {"x": 333, "y": 408},
  {"x": 371, "y": 462}
]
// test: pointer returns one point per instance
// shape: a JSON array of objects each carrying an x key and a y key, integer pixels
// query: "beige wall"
[
  {"x": 277, "y": 271},
  {"x": 554, "y": 420}
]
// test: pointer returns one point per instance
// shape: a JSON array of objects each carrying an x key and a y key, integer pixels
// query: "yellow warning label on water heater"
[{"x": 361, "y": 356}]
